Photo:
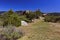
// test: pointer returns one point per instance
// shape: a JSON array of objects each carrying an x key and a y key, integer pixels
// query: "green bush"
[
  {"x": 38, "y": 13},
  {"x": 48, "y": 18},
  {"x": 11, "y": 18},
  {"x": 23, "y": 17},
  {"x": 30, "y": 15},
  {"x": 52, "y": 18}
]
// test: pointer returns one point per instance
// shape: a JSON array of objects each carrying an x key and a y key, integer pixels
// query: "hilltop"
[{"x": 40, "y": 30}]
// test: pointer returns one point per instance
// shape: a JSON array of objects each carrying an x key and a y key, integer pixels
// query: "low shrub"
[
  {"x": 10, "y": 33},
  {"x": 52, "y": 18},
  {"x": 11, "y": 18}
]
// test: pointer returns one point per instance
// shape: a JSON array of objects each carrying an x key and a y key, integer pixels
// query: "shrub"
[
  {"x": 49, "y": 18},
  {"x": 24, "y": 18},
  {"x": 52, "y": 18},
  {"x": 38, "y": 13},
  {"x": 11, "y": 18},
  {"x": 10, "y": 33},
  {"x": 30, "y": 15}
]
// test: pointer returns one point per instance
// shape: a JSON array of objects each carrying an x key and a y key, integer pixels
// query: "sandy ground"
[{"x": 53, "y": 34}]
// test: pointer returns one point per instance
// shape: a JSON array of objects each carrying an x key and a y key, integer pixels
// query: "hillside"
[{"x": 40, "y": 30}]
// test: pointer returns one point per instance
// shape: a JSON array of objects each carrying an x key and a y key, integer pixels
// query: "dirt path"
[
  {"x": 56, "y": 25},
  {"x": 56, "y": 28},
  {"x": 27, "y": 29},
  {"x": 53, "y": 34}
]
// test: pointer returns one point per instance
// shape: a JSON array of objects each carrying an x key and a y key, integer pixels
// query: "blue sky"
[{"x": 43, "y": 5}]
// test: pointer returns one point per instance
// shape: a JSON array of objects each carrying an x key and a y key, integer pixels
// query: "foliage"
[
  {"x": 11, "y": 18},
  {"x": 33, "y": 15},
  {"x": 10, "y": 33},
  {"x": 52, "y": 18},
  {"x": 30, "y": 15},
  {"x": 23, "y": 17},
  {"x": 38, "y": 13}
]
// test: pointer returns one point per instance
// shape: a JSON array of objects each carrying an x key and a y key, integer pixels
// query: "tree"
[
  {"x": 30, "y": 15},
  {"x": 38, "y": 13}
]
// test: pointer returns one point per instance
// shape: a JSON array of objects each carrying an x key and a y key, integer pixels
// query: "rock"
[{"x": 24, "y": 23}]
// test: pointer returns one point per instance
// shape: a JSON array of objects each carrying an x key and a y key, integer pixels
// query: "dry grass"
[{"x": 40, "y": 30}]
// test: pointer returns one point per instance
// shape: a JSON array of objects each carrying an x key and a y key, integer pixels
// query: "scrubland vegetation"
[
  {"x": 10, "y": 21},
  {"x": 11, "y": 29},
  {"x": 52, "y": 17},
  {"x": 40, "y": 30}
]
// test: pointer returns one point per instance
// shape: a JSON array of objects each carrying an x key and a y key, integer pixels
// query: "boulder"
[{"x": 24, "y": 23}]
